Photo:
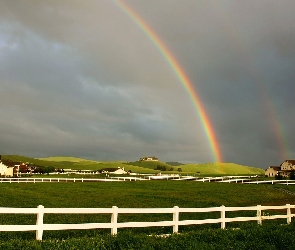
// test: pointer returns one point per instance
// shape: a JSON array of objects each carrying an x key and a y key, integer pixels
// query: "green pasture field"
[{"x": 146, "y": 194}]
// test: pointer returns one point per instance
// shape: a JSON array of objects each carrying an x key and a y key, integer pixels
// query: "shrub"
[{"x": 292, "y": 175}]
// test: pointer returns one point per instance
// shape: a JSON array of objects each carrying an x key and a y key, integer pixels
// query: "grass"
[
  {"x": 142, "y": 194},
  {"x": 268, "y": 237},
  {"x": 221, "y": 169},
  {"x": 145, "y": 194}
]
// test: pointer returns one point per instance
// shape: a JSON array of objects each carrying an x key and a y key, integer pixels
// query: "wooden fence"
[{"x": 40, "y": 211}]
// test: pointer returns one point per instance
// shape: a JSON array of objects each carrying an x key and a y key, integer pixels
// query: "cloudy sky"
[{"x": 81, "y": 78}]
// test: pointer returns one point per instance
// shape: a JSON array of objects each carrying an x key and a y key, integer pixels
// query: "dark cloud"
[{"x": 82, "y": 79}]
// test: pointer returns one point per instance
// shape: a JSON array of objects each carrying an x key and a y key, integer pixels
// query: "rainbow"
[
  {"x": 235, "y": 35},
  {"x": 207, "y": 126}
]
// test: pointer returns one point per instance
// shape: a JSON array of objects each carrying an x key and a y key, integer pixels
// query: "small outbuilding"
[{"x": 113, "y": 171}]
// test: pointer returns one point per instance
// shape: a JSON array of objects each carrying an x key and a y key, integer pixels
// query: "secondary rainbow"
[
  {"x": 234, "y": 33},
  {"x": 207, "y": 126}
]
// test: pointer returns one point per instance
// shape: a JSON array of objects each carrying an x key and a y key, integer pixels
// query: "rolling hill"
[{"x": 139, "y": 166}]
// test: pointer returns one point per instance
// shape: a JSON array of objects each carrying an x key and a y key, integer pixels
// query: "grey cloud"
[{"x": 83, "y": 79}]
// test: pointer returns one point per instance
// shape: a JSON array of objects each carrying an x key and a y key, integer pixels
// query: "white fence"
[
  {"x": 36, "y": 180},
  {"x": 40, "y": 211},
  {"x": 226, "y": 179}
]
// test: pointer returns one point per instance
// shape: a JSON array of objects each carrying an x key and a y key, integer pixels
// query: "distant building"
[
  {"x": 113, "y": 171},
  {"x": 272, "y": 171},
  {"x": 6, "y": 171},
  {"x": 17, "y": 167},
  {"x": 153, "y": 158},
  {"x": 284, "y": 169}
]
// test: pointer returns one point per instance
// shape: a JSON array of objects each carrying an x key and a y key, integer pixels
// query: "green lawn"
[
  {"x": 143, "y": 194},
  {"x": 139, "y": 195}
]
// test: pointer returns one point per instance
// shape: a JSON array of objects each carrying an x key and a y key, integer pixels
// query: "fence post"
[
  {"x": 289, "y": 215},
  {"x": 175, "y": 219},
  {"x": 39, "y": 222},
  {"x": 259, "y": 218},
  {"x": 114, "y": 220},
  {"x": 222, "y": 216}
]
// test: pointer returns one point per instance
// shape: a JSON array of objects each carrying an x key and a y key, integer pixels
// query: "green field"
[
  {"x": 140, "y": 166},
  {"x": 138, "y": 195}
]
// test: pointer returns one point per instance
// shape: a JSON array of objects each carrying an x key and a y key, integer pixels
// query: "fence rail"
[{"x": 40, "y": 211}]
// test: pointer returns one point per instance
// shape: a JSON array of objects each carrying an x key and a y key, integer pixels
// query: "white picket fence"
[{"x": 40, "y": 211}]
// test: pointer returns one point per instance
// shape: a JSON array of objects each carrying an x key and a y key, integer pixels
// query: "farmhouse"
[
  {"x": 284, "y": 169},
  {"x": 153, "y": 158}
]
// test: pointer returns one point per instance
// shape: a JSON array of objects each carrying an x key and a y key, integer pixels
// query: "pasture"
[{"x": 146, "y": 194}]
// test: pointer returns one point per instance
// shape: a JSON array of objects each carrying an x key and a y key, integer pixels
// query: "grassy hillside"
[
  {"x": 221, "y": 169},
  {"x": 204, "y": 168},
  {"x": 138, "y": 166},
  {"x": 148, "y": 164},
  {"x": 24, "y": 159},
  {"x": 65, "y": 159}
]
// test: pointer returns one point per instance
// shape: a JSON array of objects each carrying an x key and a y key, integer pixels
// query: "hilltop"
[{"x": 59, "y": 162}]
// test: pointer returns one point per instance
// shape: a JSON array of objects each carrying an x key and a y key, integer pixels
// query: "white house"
[
  {"x": 5, "y": 170},
  {"x": 113, "y": 171}
]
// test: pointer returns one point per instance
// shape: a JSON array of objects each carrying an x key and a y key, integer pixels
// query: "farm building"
[
  {"x": 288, "y": 165},
  {"x": 6, "y": 171},
  {"x": 17, "y": 167},
  {"x": 272, "y": 171},
  {"x": 153, "y": 158},
  {"x": 284, "y": 169},
  {"x": 113, "y": 171}
]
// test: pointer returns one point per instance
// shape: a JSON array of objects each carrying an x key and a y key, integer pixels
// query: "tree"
[
  {"x": 44, "y": 170},
  {"x": 292, "y": 175},
  {"x": 161, "y": 167},
  {"x": 278, "y": 176},
  {"x": 48, "y": 169}
]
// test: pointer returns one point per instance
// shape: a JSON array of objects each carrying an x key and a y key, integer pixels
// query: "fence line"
[
  {"x": 40, "y": 211},
  {"x": 37, "y": 180},
  {"x": 126, "y": 178}
]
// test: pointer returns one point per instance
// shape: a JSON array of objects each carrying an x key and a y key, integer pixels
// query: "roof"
[
  {"x": 10, "y": 163},
  {"x": 290, "y": 161},
  {"x": 275, "y": 168},
  {"x": 109, "y": 170}
]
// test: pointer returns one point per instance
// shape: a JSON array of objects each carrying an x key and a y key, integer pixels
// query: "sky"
[{"x": 84, "y": 79}]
